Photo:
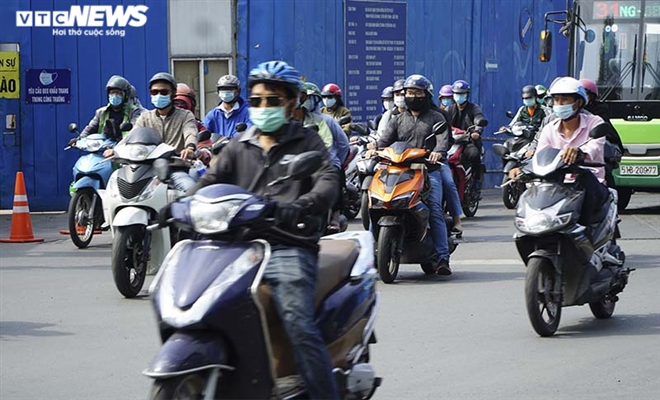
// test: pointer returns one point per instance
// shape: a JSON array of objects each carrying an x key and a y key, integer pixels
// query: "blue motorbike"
[
  {"x": 90, "y": 175},
  {"x": 222, "y": 337}
]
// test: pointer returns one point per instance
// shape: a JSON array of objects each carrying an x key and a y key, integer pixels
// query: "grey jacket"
[
  {"x": 179, "y": 128},
  {"x": 408, "y": 128}
]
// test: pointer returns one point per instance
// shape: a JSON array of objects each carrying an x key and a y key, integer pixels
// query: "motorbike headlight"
[
  {"x": 541, "y": 221},
  {"x": 376, "y": 202},
  {"x": 209, "y": 218},
  {"x": 138, "y": 152},
  {"x": 402, "y": 201},
  {"x": 149, "y": 191},
  {"x": 112, "y": 189}
]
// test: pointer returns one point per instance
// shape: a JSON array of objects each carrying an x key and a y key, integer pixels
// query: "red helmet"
[
  {"x": 184, "y": 92},
  {"x": 589, "y": 86},
  {"x": 331, "y": 89}
]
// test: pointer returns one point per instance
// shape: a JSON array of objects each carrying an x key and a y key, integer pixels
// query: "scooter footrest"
[{"x": 288, "y": 385}]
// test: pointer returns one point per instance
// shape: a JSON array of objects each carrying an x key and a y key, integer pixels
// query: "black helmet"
[
  {"x": 528, "y": 92},
  {"x": 119, "y": 82},
  {"x": 398, "y": 85},
  {"x": 420, "y": 82},
  {"x": 164, "y": 77}
]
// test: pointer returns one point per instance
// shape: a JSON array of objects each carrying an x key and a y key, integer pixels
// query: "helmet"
[
  {"x": 184, "y": 91},
  {"x": 528, "y": 91},
  {"x": 163, "y": 77},
  {"x": 132, "y": 92},
  {"x": 277, "y": 73},
  {"x": 119, "y": 82},
  {"x": 387, "y": 93},
  {"x": 228, "y": 81},
  {"x": 331, "y": 89},
  {"x": 540, "y": 91},
  {"x": 417, "y": 81},
  {"x": 568, "y": 85},
  {"x": 589, "y": 86},
  {"x": 311, "y": 89},
  {"x": 460, "y": 86},
  {"x": 398, "y": 85},
  {"x": 445, "y": 91}
]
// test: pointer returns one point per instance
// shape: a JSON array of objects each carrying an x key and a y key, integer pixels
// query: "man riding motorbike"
[
  {"x": 532, "y": 112},
  {"x": 399, "y": 100},
  {"x": 415, "y": 126},
  {"x": 446, "y": 97},
  {"x": 387, "y": 101},
  {"x": 258, "y": 157},
  {"x": 232, "y": 110}
]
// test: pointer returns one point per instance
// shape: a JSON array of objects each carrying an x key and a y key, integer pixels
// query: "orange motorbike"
[{"x": 397, "y": 211}]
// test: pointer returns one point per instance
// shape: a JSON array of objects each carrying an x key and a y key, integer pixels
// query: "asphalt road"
[{"x": 66, "y": 333}]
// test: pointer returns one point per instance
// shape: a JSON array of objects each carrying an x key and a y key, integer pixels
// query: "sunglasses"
[
  {"x": 271, "y": 101},
  {"x": 164, "y": 92}
]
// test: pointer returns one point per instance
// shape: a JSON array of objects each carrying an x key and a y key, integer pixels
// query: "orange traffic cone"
[{"x": 21, "y": 226}]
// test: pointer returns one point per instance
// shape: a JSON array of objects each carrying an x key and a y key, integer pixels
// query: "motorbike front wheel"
[
  {"x": 364, "y": 210},
  {"x": 388, "y": 253},
  {"x": 185, "y": 387},
  {"x": 604, "y": 308},
  {"x": 543, "y": 305},
  {"x": 81, "y": 217},
  {"x": 510, "y": 194},
  {"x": 129, "y": 264},
  {"x": 351, "y": 207}
]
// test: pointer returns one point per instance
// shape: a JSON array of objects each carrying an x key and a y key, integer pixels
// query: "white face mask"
[
  {"x": 400, "y": 101},
  {"x": 388, "y": 104}
]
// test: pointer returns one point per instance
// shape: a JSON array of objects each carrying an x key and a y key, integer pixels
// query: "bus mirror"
[
  {"x": 590, "y": 36},
  {"x": 546, "y": 45}
]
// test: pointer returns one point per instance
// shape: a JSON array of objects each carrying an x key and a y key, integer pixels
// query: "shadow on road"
[
  {"x": 22, "y": 328},
  {"x": 617, "y": 325},
  {"x": 641, "y": 211},
  {"x": 459, "y": 276}
]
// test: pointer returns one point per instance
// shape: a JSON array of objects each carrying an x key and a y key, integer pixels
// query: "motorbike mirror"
[
  {"x": 372, "y": 125},
  {"x": 359, "y": 129},
  {"x": 304, "y": 165},
  {"x": 482, "y": 122},
  {"x": 546, "y": 46},
  {"x": 218, "y": 145},
  {"x": 345, "y": 120},
  {"x": 125, "y": 127},
  {"x": 510, "y": 114},
  {"x": 599, "y": 131},
  {"x": 500, "y": 149},
  {"x": 73, "y": 128},
  {"x": 162, "y": 168},
  {"x": 204, "y": 136},
  {"x": 241, "y": 127},
  {"x": 313, "y": 127},
  {"x": 439, "y": 127}
]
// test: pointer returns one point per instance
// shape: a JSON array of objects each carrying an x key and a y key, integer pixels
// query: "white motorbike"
[{"x": 133, "y": 198}]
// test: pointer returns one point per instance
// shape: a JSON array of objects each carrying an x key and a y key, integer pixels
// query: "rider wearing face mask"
[
  {"x": 446, "y": 97},
  {"x": 334, "y": 106},
  {"x": 232, "y": 110},
  {"x": 399, "y": 106},
  {"x": 387, "y": 100},
  {"x": 532, "y": 112},
  {"x": 570, "y": 132},
  {"x": 186, "y": 99},
  {"x": 462, "y": 115},
  {"x": 258, "y": 156},
  {"x": 107, "y": 119}
]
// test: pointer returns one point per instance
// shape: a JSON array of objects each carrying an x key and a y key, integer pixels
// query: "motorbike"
[
  {"x": 513, "y": 153},
  {"x": 133, "y": 197},
  {"x": 399, "y": 217},
  {"x": 365, "y": 167},
  {"x": 90, "y": 176},
  {"x": 221, "y": 334},
  {"x": 463, "y": 175},
  {"x": 567, "y": 263}
]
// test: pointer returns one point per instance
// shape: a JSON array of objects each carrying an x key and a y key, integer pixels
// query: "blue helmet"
[
  {"x": 277, "y": 73},
  {"x": 417, "y": 81},
  {"x": 460, "y": 86},
  {"x": 398, "y": 85},
  {"x": 387, "y": 93}
]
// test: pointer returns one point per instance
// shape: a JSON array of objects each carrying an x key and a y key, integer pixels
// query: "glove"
[
  {"x": 73, "y": 141},
  {"x": 164, "y": 214},
  {"x": 288, "y": 215}
]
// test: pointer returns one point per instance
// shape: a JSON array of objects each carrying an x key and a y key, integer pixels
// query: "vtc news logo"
[{"x": 85, "y": 16}]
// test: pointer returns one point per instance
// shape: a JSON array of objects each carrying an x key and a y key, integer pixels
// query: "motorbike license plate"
[{"x": 638, "y": 170}]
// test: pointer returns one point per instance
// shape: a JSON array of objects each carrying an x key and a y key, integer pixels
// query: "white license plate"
[{"x": 638, "y": 170}]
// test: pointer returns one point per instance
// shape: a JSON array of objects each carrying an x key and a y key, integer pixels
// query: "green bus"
[{"x": 617, "y": 44}]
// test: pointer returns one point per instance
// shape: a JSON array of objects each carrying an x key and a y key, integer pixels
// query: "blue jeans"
[
  {"x": 450, "y": 192},
  {"x": 291, "y": 277},
  {"x": 437, "y": 219}
]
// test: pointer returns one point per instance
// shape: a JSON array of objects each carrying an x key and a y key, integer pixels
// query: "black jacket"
[
  {"x": 465, "y": 118},
  {"x": 414, "y": 130},
  {"x": 244, "y": 163}
]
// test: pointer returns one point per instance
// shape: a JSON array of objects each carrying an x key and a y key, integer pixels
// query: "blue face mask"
[
  {"x": 267, "y": 119},
  {"x": 329, "y": 102},
  {"x": 446, "y": 102},
  {"x": 226, "y": 96},
  {"x": 460, "y": 98},
  {"x": 529, "y": 102},
  {"x": 160, "y": 101},
  {"x": 115, "y": 100},
  {"x": 564, "y": 111}
]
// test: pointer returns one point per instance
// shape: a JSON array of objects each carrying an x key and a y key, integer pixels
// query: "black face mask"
[{"x": 416, "y": 103}]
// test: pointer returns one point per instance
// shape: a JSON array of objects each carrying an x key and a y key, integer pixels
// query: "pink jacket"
[{"x": 552, "y": 137}]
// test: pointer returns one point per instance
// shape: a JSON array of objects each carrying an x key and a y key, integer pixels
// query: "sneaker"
[{"x": 443, "y": 267}]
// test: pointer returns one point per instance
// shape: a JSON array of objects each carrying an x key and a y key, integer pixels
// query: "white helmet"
[{"x": 568, "y": 85}]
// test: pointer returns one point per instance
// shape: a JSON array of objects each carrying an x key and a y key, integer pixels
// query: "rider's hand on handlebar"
[
  {"x": 529, "y": 153},
  {"x": 369, "y": 153},
  {"x": 188, "y": 153},
  {"x": 514, "y": 173},
  {"x": 73, "y": 141},
  {"x": 475, "y": 135},
  {"x": 108, "y": 153},
  {"x": 164, "y": 214},
  {"x": 287, "y": 215},
  {"x": 372, "y": 146},
  {"x": 434, "y": 157},
  {"x": 570, "y": 155}
]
